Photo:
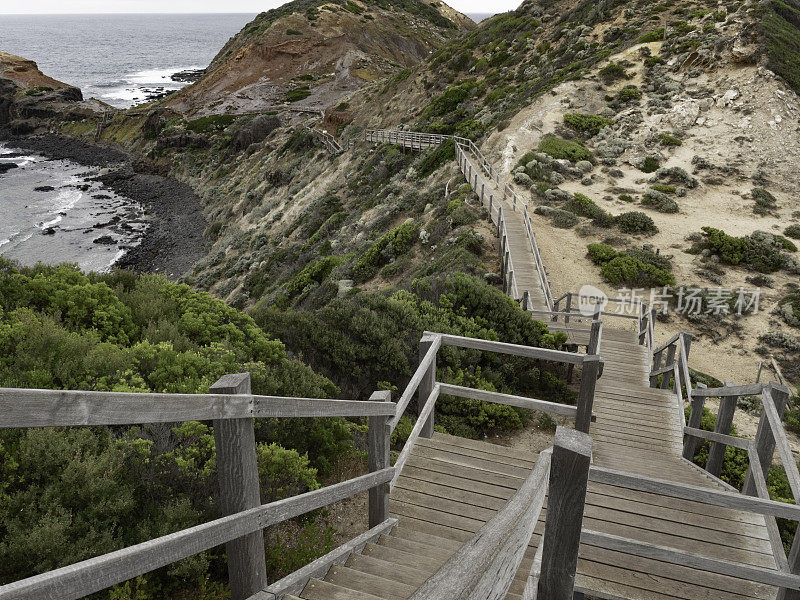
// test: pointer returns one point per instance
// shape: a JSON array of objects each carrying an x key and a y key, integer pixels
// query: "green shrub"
[
  {"x": 586, "y": 123},
  {"x": 432, "y": 160},
  {"x": 789, "y": 309},
  {"x": 782, "y": 39},
  {"x": 629, "y": 94},
  {"x": 670, "y": 140},
  {"x": 560, "y": 148},
  {"x": 648, "y": 165},
  {"x": 664, "y": 188},
  {"x": 761, "y": 251},
  {"x": 312, "y": 274},
  {"x": 600, "y": 254},
  {"x": 283, "y": 473},
  {"x": 293, "y": 32},
  {"x": 635, "y": 222},
  {"x": 612, "y": 72},
  {"x": 210, "y": 123},
  {"x": 582, "y": 206},
  {"x": 297, "y": 94},
  {"x": 563, "y": 219},
  {"x": 630, "y": 271},
  {"x": 792, "y": 231},
  {"x": 654, "y": 36},
  {"x": 765, "y": 203},
  {"x": 626, "y": 197},
  {"x": 394, "y": 244},
  {"x": 659, "y": 201}
]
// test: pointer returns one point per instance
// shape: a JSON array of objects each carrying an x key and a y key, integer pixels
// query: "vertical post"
[
  {"x": 716, "y": 455},
  {"x": 669, "y": 361},
  {"x": 491, "y": 201},
  {"x": 594, "y": 337},
  {"x": 794, "y": 568},
  {"x": 589, "y": 372},
  {"x": 526, "y": 296},
  {"x": 765, "y": 441},
  {"x": 643, "y": 328},
  {"x": 657, "y": 357},
  {"x": 568, "y": 307},
  {"x": 695, "y": 419},
  {"x": 483, "y": 187},
  {"x": 426, "y": 385},
  {"x": 237, "y": 471},
  {"x": 499, "y": 218},
  {"x": 569, "y": 473},
  {"x": 379, "y": 435}
]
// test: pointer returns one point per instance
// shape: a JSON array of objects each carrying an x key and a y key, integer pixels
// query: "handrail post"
[
  {"x": 569, "y": 474},
  {"x": 525, "y": 300},
  {"x": 765, "y": 440},
  {"x": 657, "y": 358},
  {"x": 669, "y": 361},
  {"x": 379, "y": 435},
  {"x": 568, "y": 307},
  {"x": 643, "y": 328},
  {"x": 589, "y": 372},
  {"x": 716, "y": 454},
  {"x": 594, "y": 337},
  {"x": 695, "y": 419},
  {"x": 237, "y": 471},
  {"x": 426, "y": 385}
]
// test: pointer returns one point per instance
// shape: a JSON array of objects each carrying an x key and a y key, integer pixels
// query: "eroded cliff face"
[
  {"x": 308, "y": 55},
  {"x": 31, "y": 100}
]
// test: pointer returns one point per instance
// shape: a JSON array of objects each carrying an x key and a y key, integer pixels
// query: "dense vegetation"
[
  {"x": 373, "y": 337},
  {"x": 633, "y": 267},
  {"x": 760, "y": 251},
  {"x": 71, "y": 493}
]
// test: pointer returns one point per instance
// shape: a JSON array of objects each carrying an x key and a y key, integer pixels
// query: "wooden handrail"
[
  {"x": 544, "y": 406},
  {"x": 484, "y": 567},
  {"x": 57, "y": 408},
  {"x": 412, "y": 386},
  {"x": 560, "y": 356},
  {"x": 415, "y": 432}
]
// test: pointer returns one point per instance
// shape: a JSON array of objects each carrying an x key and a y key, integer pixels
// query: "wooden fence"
[{"x": 233, "y": 408}]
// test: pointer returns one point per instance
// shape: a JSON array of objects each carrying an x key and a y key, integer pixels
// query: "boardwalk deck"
[{"x": 450, "y": 487}]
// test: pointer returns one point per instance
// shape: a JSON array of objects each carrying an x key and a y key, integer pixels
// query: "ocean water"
[
  {"x": 116, "y": 58},
  {"x": 53, "y": 213}
]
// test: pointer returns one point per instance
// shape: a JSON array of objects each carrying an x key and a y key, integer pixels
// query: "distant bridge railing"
[{"x": 331, "y": 145}]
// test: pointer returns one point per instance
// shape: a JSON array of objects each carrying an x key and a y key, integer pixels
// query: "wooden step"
[{"x": 368, "y": 583}]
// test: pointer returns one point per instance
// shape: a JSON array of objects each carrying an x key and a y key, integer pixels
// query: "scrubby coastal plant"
[
  {"x": 586, "y": 123},
  {"x": 559, "y": 148},
  {"x": 635, "y": 222},
  {"x": 634, "y": 267}
]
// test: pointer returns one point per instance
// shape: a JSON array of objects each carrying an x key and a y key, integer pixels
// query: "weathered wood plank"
[
  {"x": 295, "y": 582},
  {"x": 552, "y": 408},
  {"x": 378, "y": 444},
  {"x": 672, "y": 556},
  {"x": 415, "y": 432},
  {"x": 416, "y": 379},
  {"x": 239, "y": 491},
  {"x": 572, "y": 455},
  {"x": 513, "y": 349},
  {"x": 694, "y": 493},
  {"x": 57, "y": 408}
]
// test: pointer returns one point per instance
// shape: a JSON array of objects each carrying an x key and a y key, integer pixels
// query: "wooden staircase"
[{"x": 452, "y": 486}]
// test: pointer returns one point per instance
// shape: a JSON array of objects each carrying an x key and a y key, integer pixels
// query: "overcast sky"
[{"x": 195, "y": 6}]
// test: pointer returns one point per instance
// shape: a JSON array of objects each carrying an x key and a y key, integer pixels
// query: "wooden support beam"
[
  {"x": 695, "y": 419},
  {"x": 569, "y": 469},
  {"x": 716, "y": 455},
  {"x": 426, "y": 383},
  {"x": 589, "y": 373},
  {"x": 237, "y": 472},
  {"x": 667, "y": 365},
  {"x": 379, "y": 435},
  {"x": 765, "y": 440}
]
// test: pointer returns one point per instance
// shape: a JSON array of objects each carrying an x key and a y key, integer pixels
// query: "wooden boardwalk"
[{"x": 452, "y": 486}]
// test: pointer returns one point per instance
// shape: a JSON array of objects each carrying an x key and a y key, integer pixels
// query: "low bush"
[
  {"x": 390, "y": 245},
  {"x": 612, "y": 72},
  {"x": 563, "y": 219},
  {"x": 210, "y": 124},
  {"x": 297, "y": 94},
  {"x": 630, "y": 271},
  {"x": 762, "y": 251},
  {"x": 659, "y": 201},
  {"x": 601, "y": 253},
  {"x": 670, "y": 140},
  {"x": 653, "y": 36},
  {"x": 789, "y": 309},
  {"x": 587, "y": 123},
  {"x": 560, "y": 148},
  {"x": 765, "y": 203},
  {"x": 635, "y": 222},
  {"x": 649, "y": 164},
  {"x": 629, "y": 94},
  {"x": 433, "y": 159},
  {"x": 792, "y": 231},
  {"x": 664, "y": 188}
]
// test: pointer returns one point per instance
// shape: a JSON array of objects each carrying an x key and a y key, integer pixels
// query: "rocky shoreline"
[{"x": 173, "y": 240}]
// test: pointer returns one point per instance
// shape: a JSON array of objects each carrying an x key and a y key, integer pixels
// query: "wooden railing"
[
  {"x": 331, "y": 145},
  {"x": 476, "y": 175},
  {"x": 232, "y": 408}
]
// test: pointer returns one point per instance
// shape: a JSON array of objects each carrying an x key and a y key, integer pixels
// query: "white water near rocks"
[{"x": 67, "y": 219}]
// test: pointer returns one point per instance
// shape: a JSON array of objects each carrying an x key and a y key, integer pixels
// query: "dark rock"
[
  {"x": 6, "y": 167},
  {"x": 106, "y": 240},
  {"x": 255, "y": 131},
  {"x": 44, "y": 188},
  {"x": 49, "y": 231},
  {"x": 188, "y": 76}
]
